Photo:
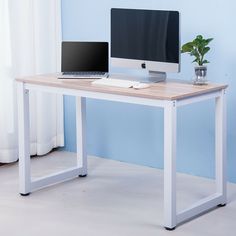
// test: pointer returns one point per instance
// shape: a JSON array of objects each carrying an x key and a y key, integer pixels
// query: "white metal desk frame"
[{"x": 171, "y": 217}]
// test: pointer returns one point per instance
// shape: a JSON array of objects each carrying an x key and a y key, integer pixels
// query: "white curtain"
[{"x": 30, "y": 38}]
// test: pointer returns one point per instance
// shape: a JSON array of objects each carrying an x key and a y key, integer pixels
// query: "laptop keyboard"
[{"x": 87, "y": 73}]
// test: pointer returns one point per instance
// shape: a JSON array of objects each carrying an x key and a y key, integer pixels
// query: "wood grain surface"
[{"x": 168, "y": 90}]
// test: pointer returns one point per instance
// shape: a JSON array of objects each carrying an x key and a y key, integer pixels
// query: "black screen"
[
  {"x": 151, "y": 35},
  {"x": 84, "y": 56}
]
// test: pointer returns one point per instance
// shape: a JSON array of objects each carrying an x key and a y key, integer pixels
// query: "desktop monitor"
[{"x": 146, "y": 39}]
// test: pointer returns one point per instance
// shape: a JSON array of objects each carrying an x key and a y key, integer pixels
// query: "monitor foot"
[
  {"x": 82, "y": 176},
  {"x": 24, "y": 194},
  {"x": 170, "y": 229}
]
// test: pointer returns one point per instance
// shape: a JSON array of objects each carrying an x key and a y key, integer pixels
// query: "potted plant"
[{"x": 198, "y": 48}]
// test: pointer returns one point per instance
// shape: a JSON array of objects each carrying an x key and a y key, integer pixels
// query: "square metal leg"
[
  {"x": 220, "y": 147},
  {"x": 170, "y": 165},
  {"x": 24, "y": 139},
  {"x": 81, "y": 135}
]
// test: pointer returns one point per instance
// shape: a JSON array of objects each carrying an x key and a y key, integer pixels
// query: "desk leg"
[
  {"x": 81, "y": 135},
  {"x": 24, "y": 139},
  {"x": 170, "y": 165},
  {"x": 220, "y": 146}
]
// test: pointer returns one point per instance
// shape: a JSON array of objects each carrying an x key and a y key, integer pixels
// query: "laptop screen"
[{"x": 84, "y": 56}]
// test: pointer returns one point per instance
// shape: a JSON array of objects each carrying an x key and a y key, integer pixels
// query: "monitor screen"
[
  {"x": 84, "y": 56},
  {"x": 150, "y": 35}
]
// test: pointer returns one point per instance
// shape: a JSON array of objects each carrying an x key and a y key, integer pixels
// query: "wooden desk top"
[{"x": 168, "y": 90}]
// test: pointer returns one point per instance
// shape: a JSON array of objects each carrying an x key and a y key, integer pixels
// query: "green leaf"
[
  {"x": 195, "y": 53},
  {"x": 205, "y": 51},
  {"x": 199, "y": 37},
  {"x": 196, "y": 42},
  {"x": 205, "y": 62},
  {"x": 188, "y": 47},
  {"x": 209, "y": 40},
  {"x": 195, "y": 61}
]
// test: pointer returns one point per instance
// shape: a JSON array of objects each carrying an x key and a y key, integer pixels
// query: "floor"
[{"x": 115, "y": 199}]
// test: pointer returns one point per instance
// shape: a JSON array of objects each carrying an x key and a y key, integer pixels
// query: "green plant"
[{"x": 197, "y": 48}]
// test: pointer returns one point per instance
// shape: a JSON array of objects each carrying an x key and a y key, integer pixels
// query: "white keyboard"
[{"x": 115, "y": 82}]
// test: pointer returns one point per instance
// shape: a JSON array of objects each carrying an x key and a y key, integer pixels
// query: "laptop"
[{"x": 83, "y": 60}]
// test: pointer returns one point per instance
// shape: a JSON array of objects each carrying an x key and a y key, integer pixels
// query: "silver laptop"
[{"x": 83, "y": 60}]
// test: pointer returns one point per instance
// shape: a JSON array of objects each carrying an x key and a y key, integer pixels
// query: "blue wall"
[{"x": 134, "y": 133}]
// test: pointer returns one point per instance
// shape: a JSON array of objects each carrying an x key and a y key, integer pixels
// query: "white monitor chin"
[{"x": 156, "y": 70}]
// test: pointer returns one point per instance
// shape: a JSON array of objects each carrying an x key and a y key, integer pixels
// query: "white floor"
[{"x": 116, "y": 199}]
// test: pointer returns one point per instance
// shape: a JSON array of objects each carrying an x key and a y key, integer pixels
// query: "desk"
[{"x": 169, "y": 95}]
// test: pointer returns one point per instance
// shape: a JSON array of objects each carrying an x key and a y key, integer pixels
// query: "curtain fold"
[{"x": 31, "y": 34}]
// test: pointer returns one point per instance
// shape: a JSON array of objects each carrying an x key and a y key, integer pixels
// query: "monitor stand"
[
  {"x": 151, "y": 77},
  {"x": 155, "y": 77}
]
